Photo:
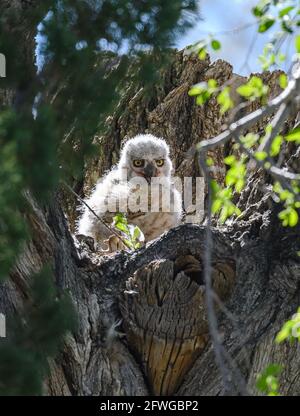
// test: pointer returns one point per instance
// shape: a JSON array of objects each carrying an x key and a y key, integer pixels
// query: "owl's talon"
[{"x": 114, "y": 243}]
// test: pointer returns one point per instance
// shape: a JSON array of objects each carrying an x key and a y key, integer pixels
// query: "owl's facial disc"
[{"x": 146, "y": 169}]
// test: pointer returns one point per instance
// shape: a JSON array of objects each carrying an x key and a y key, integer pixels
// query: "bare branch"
[
  {"x": 276, "y": 125},
  {"x": 248, "y": 121},
  {"x": 283, "y": 176},
  {"x": 219, "y": 349}
]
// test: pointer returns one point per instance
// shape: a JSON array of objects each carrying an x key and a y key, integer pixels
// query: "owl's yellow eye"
[
  {"x": 138, "y": 163},
  {"x": 160, "y": 162}
]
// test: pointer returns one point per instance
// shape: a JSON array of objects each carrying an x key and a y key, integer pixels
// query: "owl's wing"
[{"x": 105, "y": 201}]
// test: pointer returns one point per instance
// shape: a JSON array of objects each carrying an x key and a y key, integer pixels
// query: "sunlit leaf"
[
  {"x": 285, "y": 11},
  {"x": 229, "y": 159},
  {"x": 261, "y": 155},
  {"x": 224, "y": 100},
  {"x": 293, "y": 218},
  {"x": 283, "y": 81},
  {"x": 293, "y": 136},
  {"x": 265, "y": 23},
  {"x": 215, "y": 44},
  {"x": 202, "y": 54},
  {"x": 267, "y": 382},
  {"x": 297, "y": 43},
  {"x": 275, "y": 146}
]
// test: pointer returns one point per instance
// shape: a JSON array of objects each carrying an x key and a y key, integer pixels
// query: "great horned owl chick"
[{"x": 144, "y": 159}]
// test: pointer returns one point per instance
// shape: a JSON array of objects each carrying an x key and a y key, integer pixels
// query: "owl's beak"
[{"x": 149, "y": 171}]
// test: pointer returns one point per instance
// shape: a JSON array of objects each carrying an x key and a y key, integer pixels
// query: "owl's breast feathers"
[{"x": 156, "y": 220}]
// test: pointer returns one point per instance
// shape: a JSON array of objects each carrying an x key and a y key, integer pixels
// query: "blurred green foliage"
[
  {"x": 268, "y": 382},
  {"x": 48, "y": 121},
  {"x": 285, "y": 14},
  {"x": 47, "y": 131},
  {"x": 37, "y": 336},
  {"x": 252, "y": 90},
  {"x": 290, "y": 329}
]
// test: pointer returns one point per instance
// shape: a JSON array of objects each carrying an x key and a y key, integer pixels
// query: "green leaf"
[
  {"x": 249, "y": 140},
  {"x": 286, "y": 26},
  {"x": 224, "y": 214},
  {"x": 202, "y": 98},
  {"x": 267, "y": 381},
  {"x": 216, "y": 206},
  {"x": 215, "y": 44},
  {"x": 133, "y": 233},
  {"x": 224, "y": 100},
  {"x": 215, "y": 187},
  {"x": 293, "y": 136},
  {"x": 229, "y": 160},
  {"x": 297, "y": 43},
  {"x": 129, "y": 243},
  {"x": 258, "y": 12},
  {"x": 261, "y": 155},
  {"x": 290, "y": 329},
  {"x": 202, "y": 54},
  {"x": 239, "y": 185},
  {"x": 254, "y": 88},
  {"x": 136, "y": 233},
  {"x": 122, "y": 227},
  {"x": 275, "y": 146},
  {"x": 120, "y": 218},
  {"x": 293, "y": 218},
  {"x": 288, "y": 216},
  {"x": 209, "y": 162},
  {"x": 285, "y": 11},
  {"x": 265, "y": 23},
  {"x": 245, "y": 90},
  {"x": 283, "y": 81},
  {"x": 237, "y": 211},
  {"x": 282, "y": 335},
  {"x": 212, "y": 85},
  {"x": 261, "y": 8},
  {"x": 198, "y": 89}
]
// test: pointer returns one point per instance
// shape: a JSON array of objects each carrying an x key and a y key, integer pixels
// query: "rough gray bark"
[{"x": 99, "y": 359}]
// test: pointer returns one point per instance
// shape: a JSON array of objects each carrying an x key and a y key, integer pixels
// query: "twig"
[
  {"x": 281, "y": 175},
  {"x": 276, "y": 124},
  {"x": 251, "y": 47},
  {"x": 237, "y": 328},
  {"x": 239, "y": 126},
  {"x": 241, "y": 385},
  {"x": 210, "y": 296},
  {"x": 94, "y": 213},
  {"x": 233, "y": 31},
  {"x": 283, "y": 102},
  {"x": 211, "y": 315},
  {"x": 248, "y": 121}
]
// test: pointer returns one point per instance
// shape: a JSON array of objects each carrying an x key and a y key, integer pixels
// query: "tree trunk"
[{"x": 142, "y": 320}]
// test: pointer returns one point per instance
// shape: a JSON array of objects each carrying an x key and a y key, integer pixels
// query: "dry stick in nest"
[{"x": 111, "y": 229}]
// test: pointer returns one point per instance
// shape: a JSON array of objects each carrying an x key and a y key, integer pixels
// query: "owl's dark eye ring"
[
  {"x": 138, "y": 163},
  {"x": 160, "y": 162}
]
